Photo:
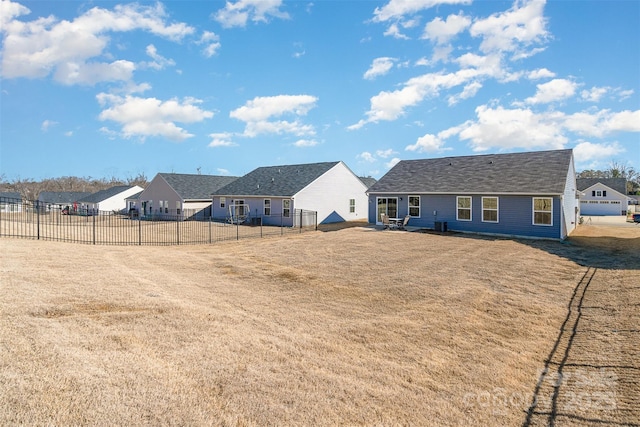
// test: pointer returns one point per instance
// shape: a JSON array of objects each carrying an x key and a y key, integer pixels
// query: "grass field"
[{"x": 349, "y": 327}]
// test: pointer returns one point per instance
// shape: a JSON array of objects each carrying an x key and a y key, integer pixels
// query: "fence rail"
[{"x": 30, "y": 220}]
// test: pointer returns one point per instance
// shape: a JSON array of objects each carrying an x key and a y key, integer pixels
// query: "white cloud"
[
  {"x": 223, "y": 139},
  {"x": 47, "y": 124},
  {"x": 394, "y": 31},
  {"x": 11, "y": 10},
  {"x": 587, "y": 151},
  {"x": 392, "y": 105},
  {"x": 366, "y": 156},
  {"x": 602, "y": 122},
  {"x": 385, "y": 153},
  {"x": 624, "y": 94},
  {"x": 540, "y": 73},
  {"x": 258, "y": 112},
  {"x": 508, "y": 129},
  {"x": 379, "y": 67},
  {"x": 521, "y": 128},
  {"x": 69, "y": 49},
  {"x": 555, "y": 90},
  {"x": 397, "y": 9},
  {"x": 469, "y": 91},
  {"x": 391, "y": 163},
  {"x": 143, "y": 117},
  {"x": 159, "y": 62},
  {"x": 212, "y": 43},
  {"x": 68, "y": 133},
  {"x": 305, "y": 143},
  {"x": 237, "y": 14},
  {"x": 442, "y": 32},
  {"x": 594, "y": 94},
  {"x": 511, "y": 31},
  {"x": 427, "y": 144}
]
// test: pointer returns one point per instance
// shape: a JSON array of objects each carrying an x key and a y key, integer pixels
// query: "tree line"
[{"x": 30, "y": 189}]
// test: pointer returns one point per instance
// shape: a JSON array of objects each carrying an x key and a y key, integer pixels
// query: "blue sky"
[{"x": 114, "y": 89}]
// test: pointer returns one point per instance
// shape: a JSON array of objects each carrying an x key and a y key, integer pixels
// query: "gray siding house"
[
  {"x": 275, "y": 193},
  {"x": 58, "y": 200},
  {"x": 603, "y": 196},
  {"x": 530, "y": 194},
  {"x": 178, "y": 196}
]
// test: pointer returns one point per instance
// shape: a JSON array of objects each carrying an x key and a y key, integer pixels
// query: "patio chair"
[
  {"x": 404, "y": 223},
  {"x": 385, "y": 221}
]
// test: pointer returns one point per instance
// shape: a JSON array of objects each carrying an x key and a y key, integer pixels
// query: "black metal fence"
[{"x": 30, "y": 220}]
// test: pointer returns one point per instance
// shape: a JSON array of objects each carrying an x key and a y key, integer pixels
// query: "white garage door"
[{"x": 600, "y": 207}]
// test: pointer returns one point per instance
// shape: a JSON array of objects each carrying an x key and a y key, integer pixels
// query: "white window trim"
[
  {"x": 497, "y": 209},
  {"x": 264, "y": 207},
  {"x": 470, "y": 208},
  {"x": 289, "y": 208},
  {"x": 352, "y": 206},
  {"x": 419, "y": 206},
  {"x": 533, "y": 212}
]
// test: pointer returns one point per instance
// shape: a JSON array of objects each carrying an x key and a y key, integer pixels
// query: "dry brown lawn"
[{"x": 349, "y": 327}]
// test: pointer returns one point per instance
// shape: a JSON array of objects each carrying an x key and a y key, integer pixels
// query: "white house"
[
  {"x": 275, "y": 193},
  {"x": 110, "y": 200},
  {"x": 603, "y": 196}
]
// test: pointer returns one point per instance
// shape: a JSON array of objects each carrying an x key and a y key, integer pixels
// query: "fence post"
[
  {"x": 94, "y": 228},
  {"x": 177, "y": 231},
  {"x": 38, "y": 217},
  {"x": 237, "y": 229},
  {"x": 209, "y": 230},
  {"x": 139, "y": 231}
]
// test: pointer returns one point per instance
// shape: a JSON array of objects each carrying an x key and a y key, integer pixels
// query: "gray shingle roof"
[
  {"x": 10, "y": 195},
  {"x": 102, "y": 195},
  {"x": 196, "y": 187},
  {"x": 539, "y": 172},
  {"x": 135, "y": 196},
  {"x": 61, "y": 197},
  {"x": 618, "y": 184},
  {"x": 278, "y": 181},
  {"x": 368, "y": 181}
]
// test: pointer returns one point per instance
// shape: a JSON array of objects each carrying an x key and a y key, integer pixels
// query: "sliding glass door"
[{"x": 387, "y": 205}]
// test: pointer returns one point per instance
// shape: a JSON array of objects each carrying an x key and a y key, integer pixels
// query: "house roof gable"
[
  {"x": 539, "y": 172},
  {"x": 62, "y": 196},
  {"x": 277, "y": 181},
  {"x": 102, "y": 195},
  {"x": 617, "y": 184},
  {"x": 196, "y": 187}
]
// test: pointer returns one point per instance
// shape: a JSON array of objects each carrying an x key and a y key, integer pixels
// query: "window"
[
  {"x": 166, "y": 206},
  {"x": 489, "y": 209},
  {"x": 177, "y": 208},
  {"x": 267, "y": 207},
  {"x": 286, "y": 208},
  {"x": 352, "y": 205},
  {"x": 542, "y": 210},
  {"x": 414, "y": 206},
  {"x": 464, "y": 208},
  {"x": 223, "y": 202}
]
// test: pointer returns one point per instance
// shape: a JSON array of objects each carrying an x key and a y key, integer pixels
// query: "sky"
[{"x": 109, "y": 89}]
